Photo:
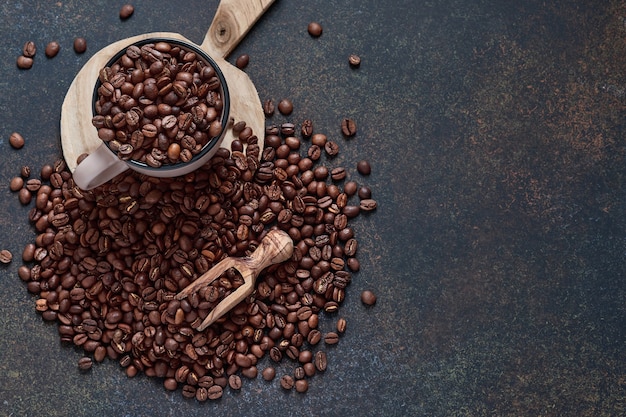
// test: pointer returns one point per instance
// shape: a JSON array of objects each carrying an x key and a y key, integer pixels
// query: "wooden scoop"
[
  {"x": 275, "y": 248},
  {"x": 232, "y": 21}
]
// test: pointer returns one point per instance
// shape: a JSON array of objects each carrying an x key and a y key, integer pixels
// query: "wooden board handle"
[{"x": 232, "y": 21}]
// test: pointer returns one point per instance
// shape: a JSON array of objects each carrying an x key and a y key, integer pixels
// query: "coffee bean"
[
  {"x": 85, "y": 363},
  {"x": 268, "y": 373},
  {"x": 214, "y": 392},
  {"x": 302, "y": 385},
  {"x": 234, "y": 381},
  {"x": 368, "y": 204},
  {"x": 24, "y": 62},
  {"x": 16, "y": 183},
  {"x": 52, "y": 49},
  {"x": 5, "y": 256},
  {"x": 320, "y": 361},
  {"x": 354, "y": 60},
  {"x": 29, "y": 50},
  {"x": 331, "y": 338},
  {"x": 242, "y": 61},
  {"x": 341, "y": 325},
  {"x": 348, "y": 127},
  {"x": 306, "y": 130},
  {"x": 363, "y": 167},
  {"x": 126, "y": 11},
  {"x": 331, "y": 148},
  {"x": 368, "y": 298},
  {"x": 24, "y": 196},
  {"x": 80, "y": 45},
  {"x": 364, "y": 193},
  {"x": 285, "y": 107},
  {"x": 268, "y": 107},
  {"x": 314, "y": 29},
  {"x": 287, "y": 382}
]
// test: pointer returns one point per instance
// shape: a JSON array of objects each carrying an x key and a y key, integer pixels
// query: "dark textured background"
[{"x": 495, "y": 130}]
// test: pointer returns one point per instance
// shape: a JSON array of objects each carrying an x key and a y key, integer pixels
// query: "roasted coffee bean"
[
  {"x": 215, "y": 392},
  {"x": 331, "y": 148},
  {"x": 348, "y": 127},
  {"x": 320, "y": 361},
  {"x": 5, "y": 256},
  {"x": 30, "y": 49},
  {"x": 242, "y": 61},
  {"x": 354, "y": 60},
  {"x": 234, "y": 382},
  {"x": 364, "y": 193},
  {"x": 363, "y": 167},
  {"x": 287, "y": 382},
  {"x": 80, "y": 45},
  {"x": 126, "y": 11},
  {"x": 285, "y": 107},
  {"x": 341, "y": 325},
  {"x": 368, "y": 297},
  {"x": 24, "y": 62},
  {"x": 16, "y": 183},
  {"x": 52, "y": 49},
  {"x": 268, "y": 107},
  {"x": 16, "y": 140},
  {"x": 306, "y": 130},
  {"x": 368, "y": 204},
  {"x": 85, "y": 363},
  {"x": 314, "y": 29},
  {"x": 331, "y": 338},
  {"x": 302, "y": 385},
  {"x": 268, "y": 373}
]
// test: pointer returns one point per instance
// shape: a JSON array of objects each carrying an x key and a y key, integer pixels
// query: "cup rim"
[{"x": 212, "y": 142}]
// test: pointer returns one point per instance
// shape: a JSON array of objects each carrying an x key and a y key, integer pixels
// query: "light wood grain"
[{"x": 233, "y": 19}]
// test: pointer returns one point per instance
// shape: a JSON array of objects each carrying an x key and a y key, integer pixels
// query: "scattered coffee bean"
[
  {"x": 331, "y": 338},
  {"x": 368, "y": 297},
  {"x": 16, "y": 140},
  {"x": 348, "y": 127},
  {"x": 242, "y": 61},
  {"x": 126, "y": 11},
  {"x": 287, "y": 382},
  {"x": 29, "y": 50},
  {"x": 314, "y": 29},
  {"x": 354, "y": 60},
  {"x": 24, "y": 62},
  {"x": 80, "y": 45},
  {"x": 306, "y": 130},
  {"x": 234, "y": 382},
  {"x": 341, "y": 325},
  {"x": 268, "y": 107},
  {"x": 320, "y": 361},
  {"x": 16, "y": 183},
  {"x": 331, "y": 148},
  {"x": 85, "y": 363},
  {"x": 214, "y": 392},
  {"x": 363, "y": 167},
  {"x": 285, "y": 107},
  {"x": 268, "y": 373},
  {"x": 302, "y": 385},
  {"x": 25, "y": 171},
  {"x": 5, "y": 256},
  {"x": 368, "y": 204},
  {"x": 52, "y": 49}
]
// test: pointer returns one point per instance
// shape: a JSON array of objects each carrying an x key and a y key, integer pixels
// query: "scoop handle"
[{"x": 232, "y": 21}]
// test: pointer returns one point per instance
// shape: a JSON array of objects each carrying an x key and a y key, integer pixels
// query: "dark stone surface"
[{"x": 495, "y": 131}]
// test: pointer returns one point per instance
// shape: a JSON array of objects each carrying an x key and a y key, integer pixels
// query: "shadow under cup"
[{"x": 209, "y": 149}]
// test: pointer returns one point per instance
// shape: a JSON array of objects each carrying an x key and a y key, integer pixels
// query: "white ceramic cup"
[{"x": 103, "y": 164}]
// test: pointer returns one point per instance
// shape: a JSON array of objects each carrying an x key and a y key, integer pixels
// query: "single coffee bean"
[
  {"x": 234, "y": 381},
  {"x": 24, "y": 196},
  {"x": 85, "y": 363},
  {"x": 331, "y": 148},
  {"x": 80, "y": 45},
  {"x": 306, "y": 130},
  {"x": 341, "y": 325},
  {"x": 126, "y": 11},
  {"x": 24, "y": 62},
  {"x": 29, "y": 50},
  {"x": 331, "y": 338},
  {"x": 287, "y": 382},
  {"x": 302, "y": 385},
  {"x": 5, "y": 256},
  {"x": 52, "y": 49},
  {"x": 25, "y": 171},
  {"x": 242, "y": 61},
  {"x": 214, "y": 392},
  {"x": 16, "y": 183},
  {"x": 368, "y": 204},
  {"x": 368, "y": 298},
  {"x": 354, "y": 60},
  {"x": 268, "y": 373},
  {"x": 320, "y": 361},
  {"x": 348, "y": 127},
  {"x": 285, "y": 107},
  {"x": 363, "y": 167},
  {"x": 314, "y": 29},
  {"x": 268, "y": 107},
  {"x": 364, "y": 192}
]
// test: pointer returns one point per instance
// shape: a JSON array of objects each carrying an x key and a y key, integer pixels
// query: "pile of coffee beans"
[
  {"x": 159, "y": 103},
  {"x": 107, "y": 263}
]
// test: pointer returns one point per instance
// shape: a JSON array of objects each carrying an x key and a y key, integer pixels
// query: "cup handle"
[{"x": 99, "y": 167}]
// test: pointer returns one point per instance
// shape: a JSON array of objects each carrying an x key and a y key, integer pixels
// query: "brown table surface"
[{"x": 495, "y": 131}]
